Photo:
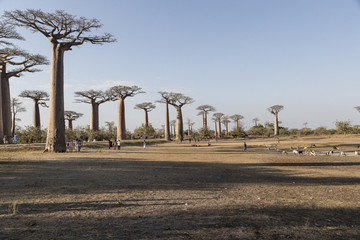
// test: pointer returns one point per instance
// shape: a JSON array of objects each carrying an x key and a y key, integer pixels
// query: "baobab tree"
[
  {"x": 215, "y": 128},
  {"x": 95, "y": 98},
  {"x": 190, "y": 125},
  {"x": 173, "y": 127},
  {"x": 255, "y": 120},
  {"x": 178, "y": 100},
  {"x": 204, "y": 111},
  {"x": 275, "y": 111},
  {"x": 165, "y": 98},
  {"x": 39, "y": 98},
  {"x": 13, "y": 63},
  {"x": 225, "y": 120},
  {"x": 16, "y": 107},
  {"x": 110, "y": 126},
  {"x": 6, "y": 32},
  {"x": 63, "y": 31},
  {"x": 147, "y": 107},
  {"x": 71, "y": 116},
  {"x": 120, "y": 93},
  {"x": 218, "y": 116},
  {"x": 236, "y": 118}
]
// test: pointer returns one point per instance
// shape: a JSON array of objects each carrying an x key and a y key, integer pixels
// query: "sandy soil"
[{"x": 181, "y": 191}]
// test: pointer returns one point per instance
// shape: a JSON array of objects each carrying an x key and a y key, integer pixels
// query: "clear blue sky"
[{"x": 240, "y": 56}]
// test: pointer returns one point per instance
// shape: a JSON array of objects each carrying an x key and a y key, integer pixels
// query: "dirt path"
[{"x": 177, "y": 191}]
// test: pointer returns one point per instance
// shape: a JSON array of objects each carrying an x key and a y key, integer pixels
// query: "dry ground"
[{"x": 179, "y": 191}]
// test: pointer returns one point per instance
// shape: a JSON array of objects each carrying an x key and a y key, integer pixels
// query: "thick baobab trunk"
[
  {"x": 167, "y": 123},
  {"x": 215, "y": 129},
  {"x": 237, "y": 125},
  {"x": 70, "y": 126},
  {"x": 55, "y": 141},
  {"x": 226, "y": 128},
  {"x": 179, "y": 125},
  {"x": 121, "y": 129},
  {"x": 36, "y": 117},
  {"x": 146, "y": 119},
  {"x": 276, "y": 125},
  {"x": 2, "y": 72},
  {"x": 219, "y": 128},
  {"x": 6, "y": 106},
  {"x": 205, "y": 120},
  {"x": 94, "y": 118}
]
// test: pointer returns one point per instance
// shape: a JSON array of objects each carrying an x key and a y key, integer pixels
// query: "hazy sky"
[{"x": 240, "y": 56}]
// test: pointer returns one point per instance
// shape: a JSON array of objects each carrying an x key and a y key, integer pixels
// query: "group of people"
[
  {"x": 78, "y": 144},
  {"x": 115, "y": 144}
]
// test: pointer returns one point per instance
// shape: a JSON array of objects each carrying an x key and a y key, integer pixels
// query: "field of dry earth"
[{"x": 181, "y": 191}]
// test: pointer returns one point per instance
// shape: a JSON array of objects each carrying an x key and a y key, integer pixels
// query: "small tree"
[
  {"x": 95, "y": 98},
  {"x": 165, "y": 98},
  {"x": 218, "y": 116},
  {"x": 275, "y": 111},
  {"x": 236, "y": 118},
  {"x": 225, "y": 120},
  {"x": 120, "y": 93},
  {"x": 39, "y": 98},
  {"x": 178, "y": 100},
  {"x": 204, "y": 111},
  {"x": 255, "y": 120},
  {"x": 71, "y": 116},
  {"x": 16, "y": 107},
  {"x": 147, "y": 107}
]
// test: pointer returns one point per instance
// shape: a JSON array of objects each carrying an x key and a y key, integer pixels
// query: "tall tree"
[
  {"x": 165, "y": 98},
  {"x": 14, "y": 62},
  {"x": 147, "y": 107},
  {"x": 39, "y": 98},
  {"x": 218, "y": 116},
  {"x": 71, "y": 116},
  {"x": 225, "y": 120},
  {"x": 178, "y": 100},
  {"x": 204, "y": 111},
  {"x": 275, "y": 111},
  {"x": 236, "y": 118},
  {"x": 190, "y": 125},
  {"x": 173, "y": 127},
  {"x": 95, "y": 98},
  {"x": 63, "y": 31},
  {"x": 215, "y": 128},
  {"x": 255, "y": 120},
  {"x": 16, "y": 107},
  {"x": 120, "y": 93},
  {"x": 6, "y": 32}
]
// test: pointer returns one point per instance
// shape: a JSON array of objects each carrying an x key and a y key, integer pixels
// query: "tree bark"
[
  {"x": 237, "y": 125},
  {"x": 70, "y": 126},
  {"x": 146, "y": 119},
  {"x": 179, "y": 125},
  {"x": 36, "y": 117},
  {"x": 94, "y": 119},
  {"x": 55, "y": 141},
  {"x": 276, "y": 124},
  {"x": 205, "y": 120},
  {"x": 219, "y": 128},
  {"x": 121, "y": 129},
  {"x": 215, "y": 129},
  {"x": 6, "y": 106},
  {"x": 2, "y": 74},
  {"x": 167, "y": 123}
]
